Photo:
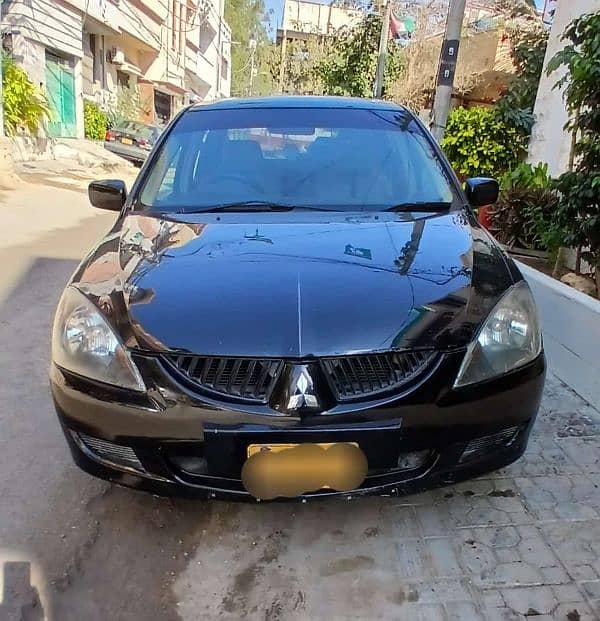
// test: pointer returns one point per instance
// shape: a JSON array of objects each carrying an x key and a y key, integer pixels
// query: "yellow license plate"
[
  {"x": 126, "y": 140},
  {"x": 277, "y": 448},
  {"x": 290, "y": 470}
]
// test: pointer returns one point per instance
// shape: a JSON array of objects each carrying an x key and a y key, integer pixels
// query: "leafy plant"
[
  {"x": 578, "y": 213},
  {"x": 94, "y": 121},
  {"x": 516, "y": 8},
  {"x": 528, "y": 41},
  {"x": 526, "y": 175},
  {"x": 299, "y": 66},
  {"x": 127, "y": 105},
  {"x": 349, "y": 66},
  {"x": 524, "y": 213},
  {"x": 247, "y": 19},
  {"x": 478, "y": 143},
  {"x": 25, "y": 105}
]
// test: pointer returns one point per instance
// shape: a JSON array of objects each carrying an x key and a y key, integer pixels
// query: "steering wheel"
[{"x": 255, "y": 185}]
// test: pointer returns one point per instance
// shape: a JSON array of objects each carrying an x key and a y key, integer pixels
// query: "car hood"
[{"x": 295, "y": 284}]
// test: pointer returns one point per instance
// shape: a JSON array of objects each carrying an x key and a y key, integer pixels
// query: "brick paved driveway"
[
  {"x": 521, "y": 543},
  {"x": 524, "y": 541}
]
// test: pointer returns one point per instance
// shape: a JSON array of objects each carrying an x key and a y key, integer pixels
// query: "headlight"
[
  {"x": 509, "y": 338},
  {"x": 84, "y": 343}
]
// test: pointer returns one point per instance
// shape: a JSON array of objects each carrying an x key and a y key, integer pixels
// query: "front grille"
[
  {"x": 355, "y": 377},
  {"x": 251, "y": 379}
]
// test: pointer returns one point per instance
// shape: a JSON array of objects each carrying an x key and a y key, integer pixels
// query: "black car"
[
  {"x": 131, "y": 140},
  {"x": 296, "y": 300}
]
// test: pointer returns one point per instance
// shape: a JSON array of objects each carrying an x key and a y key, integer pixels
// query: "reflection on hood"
[{"x": 295, "y": 285}]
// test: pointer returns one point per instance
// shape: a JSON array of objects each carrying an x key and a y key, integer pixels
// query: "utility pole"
[
  {"x": 383, "y": 46},
  {"x": 252, "y": 43},
  {"x": 282, "y": 59},
  {"x": 447, "y": 67}
]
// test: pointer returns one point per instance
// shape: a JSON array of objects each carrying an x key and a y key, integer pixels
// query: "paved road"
[{"x": 524, "y": 541}]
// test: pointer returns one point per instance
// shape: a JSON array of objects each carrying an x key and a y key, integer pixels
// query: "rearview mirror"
[
  {"x": 107, "y": 194},
  {"x": 481, "y": 191}
]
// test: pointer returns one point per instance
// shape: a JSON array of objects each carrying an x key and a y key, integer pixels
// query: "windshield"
[{"x": 330, "y": 158}]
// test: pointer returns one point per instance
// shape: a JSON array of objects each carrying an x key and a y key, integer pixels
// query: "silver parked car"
[{"x": 132, "y": 140}]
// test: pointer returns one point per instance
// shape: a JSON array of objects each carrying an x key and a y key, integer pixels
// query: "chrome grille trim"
[
  {"x": 357, "y": 377},
  {"x": 251, "y": 379}
]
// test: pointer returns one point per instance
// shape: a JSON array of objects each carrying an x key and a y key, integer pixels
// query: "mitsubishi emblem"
[{"x": 302, "y": 394}]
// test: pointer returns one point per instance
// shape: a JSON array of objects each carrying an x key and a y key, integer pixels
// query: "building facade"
[
  {"x": 166, "y": 52},
  {"x": 302, "y": 19}
]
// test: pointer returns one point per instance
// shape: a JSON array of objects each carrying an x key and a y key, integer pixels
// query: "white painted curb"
[{"x": 571, "y": 326}]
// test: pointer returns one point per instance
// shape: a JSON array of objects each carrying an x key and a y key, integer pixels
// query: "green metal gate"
[{"x": 60, "y": 86}]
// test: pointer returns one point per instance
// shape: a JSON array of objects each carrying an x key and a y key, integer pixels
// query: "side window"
[
  {"x": 168, "y": 183},
  {"x": 175, "y": 172},
  {"x": 162, "y": 179},
  {"x": 428, "y": 171}
]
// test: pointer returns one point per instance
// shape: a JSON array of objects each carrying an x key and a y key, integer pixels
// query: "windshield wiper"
[
  {"x": 422, "y": 206},
  {"x": 241, "y": 206}
]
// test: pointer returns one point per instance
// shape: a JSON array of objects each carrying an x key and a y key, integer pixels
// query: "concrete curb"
[
  {"x": 28, "y": 150},
  {"x": 8, "y": 177},
  {"x": 560, "y": 288},
  {"x": 571, "y": 326}
]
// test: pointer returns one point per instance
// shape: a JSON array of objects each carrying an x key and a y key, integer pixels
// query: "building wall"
[
  {"x": 158, "y": 40},
  {"x": 316, "y": 18},
  {"x": 46, "y": 25},
  {"x": 54, "y": 24},
  {"x": 103, "y": 86},
  {"x": 550, "y": 143},
  {"x": 208, "y": 72},
  {"x": 225, "y": 82}
]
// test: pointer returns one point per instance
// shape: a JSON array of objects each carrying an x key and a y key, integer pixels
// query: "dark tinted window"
[{"x": 330, "y": 158}]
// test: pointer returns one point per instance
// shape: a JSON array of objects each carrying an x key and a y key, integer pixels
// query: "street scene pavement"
[{"x": 520, "y": 543}]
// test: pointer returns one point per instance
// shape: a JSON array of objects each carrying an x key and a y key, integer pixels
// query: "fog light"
[
  {"x": 109, "y": 452},
  {"x": 412, "y": 460},
  {"x": 480, "y": 447}
]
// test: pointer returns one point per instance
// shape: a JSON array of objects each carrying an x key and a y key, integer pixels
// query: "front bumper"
[{"x": 169, "y": 441}]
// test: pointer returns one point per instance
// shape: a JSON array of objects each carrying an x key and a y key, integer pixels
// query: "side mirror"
[
  {"x": 108, "y": 194},
  {"x": 481, "y": 191}
]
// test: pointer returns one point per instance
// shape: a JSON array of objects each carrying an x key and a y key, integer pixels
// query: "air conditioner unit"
[{"x": 117, "y": 56}]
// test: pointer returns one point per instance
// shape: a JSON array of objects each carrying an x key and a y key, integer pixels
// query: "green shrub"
[
  {"x": 524, "y": 213},
  {"x": 478, "y": 143},
  {"x": 25, "y": 105},
  {"x": 578, "y": 212},
  {"x": 528, "y": 40},
  {"x": 127, "y": 105},
  {"x": 94, "y": 121}
]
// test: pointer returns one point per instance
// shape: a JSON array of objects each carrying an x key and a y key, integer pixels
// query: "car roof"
[{"x": 306, "y": 101}]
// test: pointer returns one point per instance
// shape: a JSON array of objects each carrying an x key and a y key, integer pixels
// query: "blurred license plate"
[
  {"x": 126, "y": 140},
  {"x": 276, "y": 448},
  {"x": 290, "y": 470}
]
